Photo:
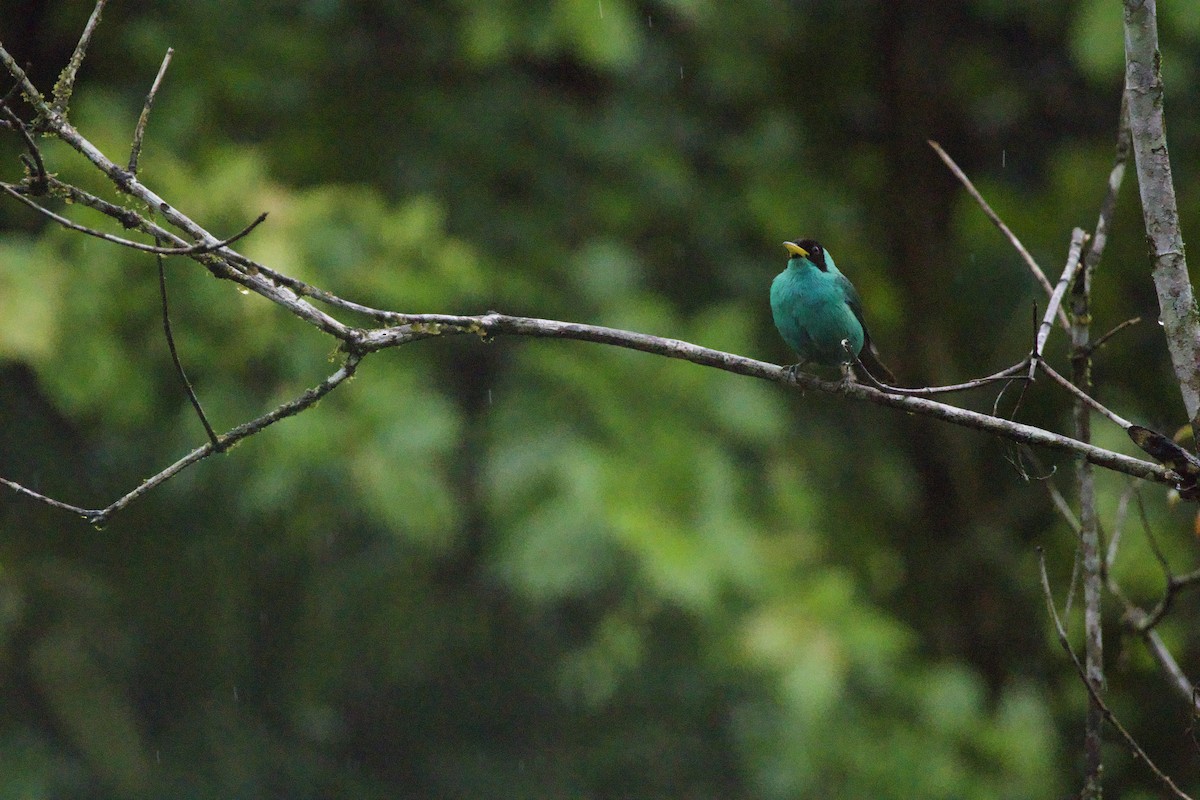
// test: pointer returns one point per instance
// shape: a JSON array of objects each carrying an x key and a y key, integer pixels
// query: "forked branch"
[{"x": 174, "y": 233}]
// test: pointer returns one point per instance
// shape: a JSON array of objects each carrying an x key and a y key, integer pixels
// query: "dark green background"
[{"x": 545, "y": 569}]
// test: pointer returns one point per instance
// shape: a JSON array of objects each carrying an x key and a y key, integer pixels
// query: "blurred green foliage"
[{"x": 524, "y": 568}]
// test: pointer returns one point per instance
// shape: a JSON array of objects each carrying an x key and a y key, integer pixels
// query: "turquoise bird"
[{"x": 819, "y": 313}]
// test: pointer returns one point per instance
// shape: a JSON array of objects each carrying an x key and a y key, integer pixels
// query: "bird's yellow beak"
[{"x": 796, "y": 249}]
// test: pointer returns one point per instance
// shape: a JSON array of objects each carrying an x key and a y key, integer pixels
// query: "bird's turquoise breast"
[{"x": 812, "y": 315}]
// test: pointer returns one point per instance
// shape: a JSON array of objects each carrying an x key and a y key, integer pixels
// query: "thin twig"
[
  {"x": 1109, "y": 204},
  {"x": 1101, "y": 341},
  {"x": 1008, "y": 373},
  {"x": 304, "y": 289},
  {"x": 202, "y": 247},
  {"x": 1064, "y": 510},
  {"x": 55, "y": 123},
  {"x": 1135, "y": 621},
  {"x": 1152, "y": 540},
  {"x": 1107, "y": 713},
  {"x": 101, "y": 516},
  {"x": 1119, "y": 526},
  {"x": 1143, "y": 622},
  {"x": 425, "y": 326},
  {"x": 50, "y": 501},
  {"x": 1038, "y": 274},
  {"x": 66, "y": 81},
  {"x": 420, "y": 326},
  {"x": 221, "y": 267},
  {"x": 1055, "y": 304},
  {"x": 403, "y": 328},
  {"x": 1079, "y": 394},
  {"x": 1175, "y": 584},
  {"x": 140, "y": 130},
  {"x": 1015, "y": 459},
  {"x": 1008, "y": 376},
  {"x": 1170, "y": 666},
  {"x": 183, "y": 378},
  {"x": 1061, "y": 505},
  {"x": 10, "y": 94},
  {"x": 38, "y": 177},
  {"x": 127, "y": 217},
  {"x": 28, "y": 90}
]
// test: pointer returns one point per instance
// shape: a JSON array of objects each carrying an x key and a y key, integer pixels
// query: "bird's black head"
[{"x": 815, "y": 252}]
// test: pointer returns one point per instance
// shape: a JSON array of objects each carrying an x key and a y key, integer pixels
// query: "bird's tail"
[{"x": 869, "y": 360}]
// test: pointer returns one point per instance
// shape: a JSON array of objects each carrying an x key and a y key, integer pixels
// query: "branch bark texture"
[
  {"x": 1176, "y": 300},
  {"x": 1089, "y": 531}
]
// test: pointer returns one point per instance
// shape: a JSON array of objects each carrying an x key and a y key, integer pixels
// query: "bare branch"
[
  {"x": 28, "y": 90},
  {"x": 1083, "y": 396},
  {"x": 1139, "y": 621},
  {"x": 999, "y": 223},
  {"x": 216, "y": 256},
  {"x": 100, "y": 516},
  {"x": 1168, "y": 664},
  {"x": 1100, "y": 342},
  {"x": 425, "y": 326},
  {"x": 420, "y": 326},
  {"x": 1152, "y": 540},
  {"x": 1176, "y": 300},
  {"x": 140, "y": 130},
  {"x": 195, "y": 249},
  {"x": 1108, "y": 205},
  {"x": 127, "y": 217},
  {"x": 55, "y": 123},
  {"x": 187, "y": 385},
  {"x": 66, "y": 81},
  {"x": 1114, "y": 541},
  {"x": 1174, "y": 586},
  {"x": 1105, "y": 711},
  {"x": 1089, "y": 521},
  {"x": 50, "y": 501},
  {"x": 38, "y": 167},
  {"x": 131, "y": 219},
  {"x": 1134, "y": 618},
  {"x": 304, "y": 289},
  {"x": 1055, "y": 304},
  {"x": 1006, "y": 374},
  {"x": 1064, "y": 510},
  {"x": 1063, "y": 507},
  {"x": 214, "y": 246}
]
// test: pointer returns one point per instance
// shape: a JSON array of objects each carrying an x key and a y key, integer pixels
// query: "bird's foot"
[{"x": 792, "y": 371}]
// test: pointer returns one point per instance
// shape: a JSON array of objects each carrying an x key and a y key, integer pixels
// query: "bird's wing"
[
  {"x": 870, "y": 354},
  {"x": 852, "y": 298}
]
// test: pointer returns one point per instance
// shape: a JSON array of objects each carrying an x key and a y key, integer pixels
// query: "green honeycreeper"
[{"x": 816, "y": 309}]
